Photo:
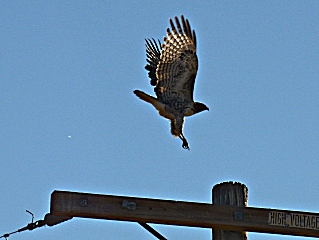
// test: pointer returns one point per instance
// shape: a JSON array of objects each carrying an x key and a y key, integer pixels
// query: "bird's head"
[{"x": 199, "y": 107}]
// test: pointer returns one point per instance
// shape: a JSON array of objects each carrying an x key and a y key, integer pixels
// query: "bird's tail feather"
[{"x": 152, "y": 100}]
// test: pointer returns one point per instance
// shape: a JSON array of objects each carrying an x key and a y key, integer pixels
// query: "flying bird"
[{"x": 172, "y": 68}]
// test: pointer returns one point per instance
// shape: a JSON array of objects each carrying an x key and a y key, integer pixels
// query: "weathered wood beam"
[{"x": 144, "y": 210}]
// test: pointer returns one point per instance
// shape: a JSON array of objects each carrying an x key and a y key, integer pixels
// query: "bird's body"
[{"x": 172, "y": 69}]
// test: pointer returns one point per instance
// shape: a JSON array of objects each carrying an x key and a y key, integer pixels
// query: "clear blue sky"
[{"x": 70, "y": 120}]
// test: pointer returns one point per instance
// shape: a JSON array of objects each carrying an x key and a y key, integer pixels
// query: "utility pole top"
[{"x": 230, "y": 194}]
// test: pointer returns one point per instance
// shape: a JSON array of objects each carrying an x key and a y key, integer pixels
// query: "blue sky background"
[{"x": 70, "y": 68}]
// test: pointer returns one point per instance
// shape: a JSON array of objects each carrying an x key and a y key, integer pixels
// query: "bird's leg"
[{"x": 185, "y": 143}]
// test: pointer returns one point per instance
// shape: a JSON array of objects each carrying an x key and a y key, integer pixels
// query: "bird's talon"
[{"x": 185, "y": 145}]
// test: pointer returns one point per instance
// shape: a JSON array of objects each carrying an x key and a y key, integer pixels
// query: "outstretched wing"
[{"x": 177, "y": 68}]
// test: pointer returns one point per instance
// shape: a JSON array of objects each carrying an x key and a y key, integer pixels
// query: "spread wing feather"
[
  {"x": 153, "y": 53},
  {"x": 178, "y": 64}
]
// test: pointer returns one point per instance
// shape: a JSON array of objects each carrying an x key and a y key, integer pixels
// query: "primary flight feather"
[{"x": 172, "y": 68}]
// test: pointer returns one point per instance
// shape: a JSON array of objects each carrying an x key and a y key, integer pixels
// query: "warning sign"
[{"x": 293, "y": 220}]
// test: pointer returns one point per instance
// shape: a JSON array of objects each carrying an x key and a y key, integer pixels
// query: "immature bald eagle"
[{"x": 172, "y": 69}]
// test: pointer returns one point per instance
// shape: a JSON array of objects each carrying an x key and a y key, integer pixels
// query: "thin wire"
[
  {"x": 31, "y": 214},
  {"x": 29, "y": 227}
]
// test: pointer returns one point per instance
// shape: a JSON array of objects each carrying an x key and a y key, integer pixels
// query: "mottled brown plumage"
[{"x": 172, "y": 68}]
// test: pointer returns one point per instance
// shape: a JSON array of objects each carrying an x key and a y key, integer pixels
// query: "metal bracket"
[
  {"x": 84, "y": 202},
  {"x": 239, "y": 215},
  {"x": 129, "y": 205},
  {"x": 152, "y": 231}
]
